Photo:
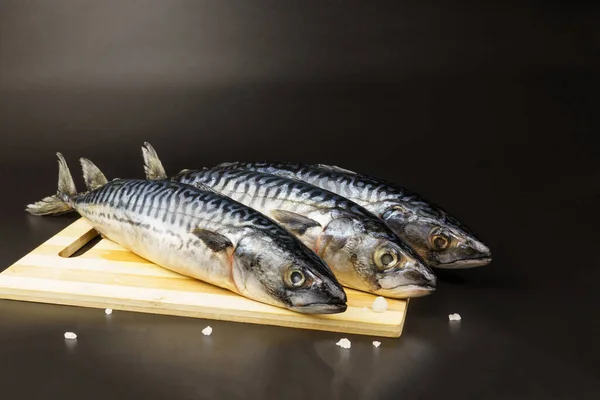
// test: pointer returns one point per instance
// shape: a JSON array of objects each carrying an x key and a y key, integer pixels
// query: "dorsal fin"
[
  {"x": 93, "y": 177},
  {"x": 227, "y": 164},
  {"x": 335, "y": 168},
  {"x": 152, "y": 165}
]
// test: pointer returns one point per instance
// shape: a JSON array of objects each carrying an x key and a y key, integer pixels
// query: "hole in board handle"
[{"x": 82, "y": 244}]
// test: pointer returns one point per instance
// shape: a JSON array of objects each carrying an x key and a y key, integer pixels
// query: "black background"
[{"x": 487, "y": 109}]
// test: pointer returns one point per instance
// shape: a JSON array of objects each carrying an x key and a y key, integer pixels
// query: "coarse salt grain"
[
  {"x": 379, "y": 304},
  {"x": 207, "y": 331},
  {"x": 364, "y": 309},
  {"x": 376, "y": 343},
  {"x": 108, "y": 311},
  {"x": 344, "y": 343},
  {"x": 70, "y": 335},
  {"x": 454, "y": 317}
]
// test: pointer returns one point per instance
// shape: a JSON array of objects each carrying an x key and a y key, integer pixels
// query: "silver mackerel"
[
  {"x": 439, "y": 238},
  {"x": 363, "y": 252},
  {"x": 203, "y": 235}
]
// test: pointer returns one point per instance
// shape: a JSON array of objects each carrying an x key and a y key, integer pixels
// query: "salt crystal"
[
  {"x": 376, "y": 343},
  {"x": 454, "y": 317},
  {"x": 380, "y": 304},
  {"x": 364, "y": 309},
  {"x": 108, "y": 311},
  {"x": 207, "y": 331},
  {"x": 70, "y": 335},
  {"x": 344, "y": 343}
]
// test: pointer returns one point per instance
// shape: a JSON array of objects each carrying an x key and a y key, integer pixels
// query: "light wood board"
[{"x": 108, "y": 276}]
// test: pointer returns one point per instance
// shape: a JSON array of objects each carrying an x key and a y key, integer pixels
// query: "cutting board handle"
[{"x": 78, "y": 243}]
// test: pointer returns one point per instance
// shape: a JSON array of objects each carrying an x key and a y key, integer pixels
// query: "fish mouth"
[
  {"x": 321, "y": 308},
  {"x": 407, "y": 291},
  {"x": 464, "y": 264}
]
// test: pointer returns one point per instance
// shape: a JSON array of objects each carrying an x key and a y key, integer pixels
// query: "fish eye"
[
  {"x": 385, "y": 258},
  {"x": 295, "y": 278},
  {"x": 438, "y": 240}
]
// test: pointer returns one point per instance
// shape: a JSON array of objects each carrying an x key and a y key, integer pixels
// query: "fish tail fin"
[
  {"x": 93, "y": 177},
  {"x": 61, "y": 202},
  {"x": 152, "y": 165}
]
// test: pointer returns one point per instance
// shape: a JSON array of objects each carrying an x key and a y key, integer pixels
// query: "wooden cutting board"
[{"x": 108, "y": 276}]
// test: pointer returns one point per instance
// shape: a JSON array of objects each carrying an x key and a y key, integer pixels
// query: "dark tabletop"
[{"x": 489, "y": 110}]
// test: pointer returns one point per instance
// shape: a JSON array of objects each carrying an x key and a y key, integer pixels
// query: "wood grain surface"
[{"x": 108, "y": 276}]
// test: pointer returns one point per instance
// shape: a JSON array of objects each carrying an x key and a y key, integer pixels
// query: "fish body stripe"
[
  {"x": 182, "y": 207},
  {"x": 277, "y": 189},
  {"x": 374, "y": 194}
]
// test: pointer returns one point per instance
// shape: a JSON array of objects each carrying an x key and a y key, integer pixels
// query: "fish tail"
[
  {"x": 152, "y": 165},
  {"x": 61, "y": 202},
  {"x": 93, "y": 177}
]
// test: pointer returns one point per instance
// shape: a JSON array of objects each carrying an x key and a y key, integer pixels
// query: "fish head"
[
  {"x": 368, "y": 256},
  {"x": 284, "y": 272},
  {"x": 439, "y": 239}
]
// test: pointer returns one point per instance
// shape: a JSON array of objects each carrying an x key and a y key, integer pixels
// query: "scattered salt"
[
  {"x": 379, "y": 304},
  {"x": 108, "y": 311},
  {"x": 376, "y": 343},
  {"x": 344, "y": 343},
  {"x": 207, "y": 331},
  {"x": 70, "y": 335},
  {"x": 454, "y": 317},
  {"x": 365, "y": 309}
]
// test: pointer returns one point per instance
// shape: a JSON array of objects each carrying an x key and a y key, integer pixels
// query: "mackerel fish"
[
  {"x": 362, "y": 251},
  {"x": 440, "y": 239},
  {"x": 203, "y": 235}
]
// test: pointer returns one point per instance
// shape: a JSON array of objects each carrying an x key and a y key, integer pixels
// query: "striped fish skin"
[
  {"x": 440, "y": 239},
  {"x": 361, "y": 250},
  {"x": 212, "y": 238}
]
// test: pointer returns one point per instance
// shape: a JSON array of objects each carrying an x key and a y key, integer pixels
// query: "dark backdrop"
[{"x": 487, "y": 109}]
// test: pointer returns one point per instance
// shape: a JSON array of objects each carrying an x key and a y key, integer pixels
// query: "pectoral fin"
[
  {"x": 396, "y": 208},
  {"x": 215, "y": 241},
  {"x": 294, "y": 222}
]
